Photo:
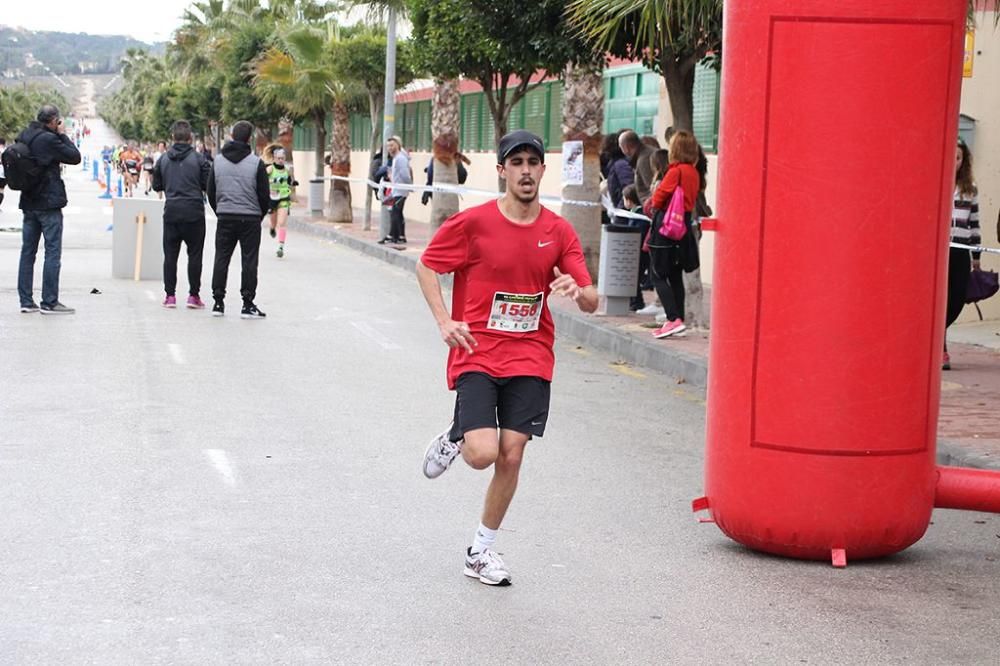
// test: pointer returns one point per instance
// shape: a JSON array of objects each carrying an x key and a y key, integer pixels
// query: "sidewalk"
[{"x": 969, "y": 422}]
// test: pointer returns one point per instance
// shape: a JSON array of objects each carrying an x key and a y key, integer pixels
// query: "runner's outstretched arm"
[
  {"x": 564, "y": 285},
  {"x": 454, "y": 333}
]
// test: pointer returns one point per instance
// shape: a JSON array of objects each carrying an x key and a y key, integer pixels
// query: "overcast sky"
[{"x": 146, "y": 20}]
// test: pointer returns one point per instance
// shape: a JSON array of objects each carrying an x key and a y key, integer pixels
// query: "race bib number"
[
  {"x": 275, "y": 195},
  {"x": 515, "y": 313}
]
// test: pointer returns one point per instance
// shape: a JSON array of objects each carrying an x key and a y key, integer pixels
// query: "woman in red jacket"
[{"x": 667, "y": 256}]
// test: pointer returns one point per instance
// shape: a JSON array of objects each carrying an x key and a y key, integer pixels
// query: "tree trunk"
[
  {"x": 583, "y": 120},
  {"x": 500, "y": 108},
  {"x": 375, "y": 104},
  {"x": 678, "y": 75},
  {"x": 695, "y": 313},
  {"x": 286, "y": 137},
  {"x": 340, "y": 165},
  {"x": 319, "y": 118},
  {"x": 444, "y": 128}
]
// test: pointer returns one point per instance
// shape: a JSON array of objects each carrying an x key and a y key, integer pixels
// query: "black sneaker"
[
  {"x": 273, "y": 232},
  {"x": 387, "y": 240},
  {"x": 57, "y": 308},
  {"x": 30, "y": 308},
  {"x": 401, "y": 240},
  {"x": 250, "y": 311},
  {"x": 218, "y": 309}
]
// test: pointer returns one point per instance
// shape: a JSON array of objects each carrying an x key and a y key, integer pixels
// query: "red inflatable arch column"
[{"x": 837, "y": 143}]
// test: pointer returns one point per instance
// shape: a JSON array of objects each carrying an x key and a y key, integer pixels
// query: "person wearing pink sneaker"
[
  {"x": 182, "y": 174},
  {"x": 669, "y": 258}
]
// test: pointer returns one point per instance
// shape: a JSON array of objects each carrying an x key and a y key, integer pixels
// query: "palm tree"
[
  {"x": 583, "y": 121},
  {"x": 193, "y": 47},
  {"x": 669, "y": 36},
  {"x": 445, "y": 126},
  {"x": 296, "y": 73}
]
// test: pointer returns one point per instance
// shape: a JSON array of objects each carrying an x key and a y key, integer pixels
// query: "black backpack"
[{"x": 21, "y": 170}]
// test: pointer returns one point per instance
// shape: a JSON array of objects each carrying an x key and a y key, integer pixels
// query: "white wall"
[{"x": 981, "y": 100}]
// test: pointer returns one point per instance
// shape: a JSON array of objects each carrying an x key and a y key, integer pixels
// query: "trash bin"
[
  {"x": 316, "y": 196},
  {"x": 618, "y": 267}
]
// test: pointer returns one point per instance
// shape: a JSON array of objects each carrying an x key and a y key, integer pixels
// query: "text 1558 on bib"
[{"x": 515, "y": 313}]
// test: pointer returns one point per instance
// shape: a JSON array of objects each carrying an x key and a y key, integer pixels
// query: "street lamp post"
[{"x": 389, "y": 113}]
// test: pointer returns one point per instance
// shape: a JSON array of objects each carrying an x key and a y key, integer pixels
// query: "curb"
[
  {"x": 951, "y": 452},
  {"x": 580, "y": 328}
]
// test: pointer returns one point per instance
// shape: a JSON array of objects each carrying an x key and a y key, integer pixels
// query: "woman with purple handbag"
[{"x": 964, "y": 230}]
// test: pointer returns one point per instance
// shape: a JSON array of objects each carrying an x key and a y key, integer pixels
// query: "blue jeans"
[{"x": 38, "y": 223}]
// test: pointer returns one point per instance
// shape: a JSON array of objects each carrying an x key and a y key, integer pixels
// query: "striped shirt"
[{"x": 965, "y": 221}]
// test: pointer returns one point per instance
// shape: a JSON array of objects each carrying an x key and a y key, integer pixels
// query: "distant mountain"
[{"x": 30, "y": 52}]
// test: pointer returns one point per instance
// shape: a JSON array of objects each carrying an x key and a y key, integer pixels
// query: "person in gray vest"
[{"x": 238, "y": 193}]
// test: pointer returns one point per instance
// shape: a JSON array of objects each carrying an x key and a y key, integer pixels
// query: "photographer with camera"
[{"x": 42, "y": 201}]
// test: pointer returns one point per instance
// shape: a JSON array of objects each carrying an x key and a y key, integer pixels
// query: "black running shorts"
[{"x": 520, "y": 404}]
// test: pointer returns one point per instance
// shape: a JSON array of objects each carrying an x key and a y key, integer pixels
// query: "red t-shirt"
[{"x": 502, "y": 275}]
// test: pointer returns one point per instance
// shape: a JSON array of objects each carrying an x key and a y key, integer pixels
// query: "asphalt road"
[{"x": 183, "y": 489}]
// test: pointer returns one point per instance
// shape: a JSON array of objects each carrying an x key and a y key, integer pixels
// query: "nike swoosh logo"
[{"x": 541, "y": 244}]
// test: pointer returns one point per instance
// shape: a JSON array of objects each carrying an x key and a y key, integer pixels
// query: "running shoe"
[
  {"x": 670, "y": 328},
  {"x": 487, "y": 567},
  {"x": 30, "y": 308},
  {"x": 273, "y": 232},
  {"x": 441, "y": 452},
  {"x": 195, "y": 303},
  {"x": 651, "y": 309},
  {"x": 219, "y": 309},
  {"x": 401, "y": 240},
  {"x": 250, "y": 311},
  {"x": 57, "y": 309},
  {"x": 170, "y": 302},
  {"x": 281, "y": 251}
]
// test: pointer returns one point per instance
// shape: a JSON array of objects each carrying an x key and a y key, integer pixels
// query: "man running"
[
  {"x": 507, "y": 256},
  {"x": 279, "y": 176},
  {"x": 130, "y": 161}
]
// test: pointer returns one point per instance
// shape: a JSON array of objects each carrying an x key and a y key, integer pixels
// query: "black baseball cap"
[{"x": 520, "y": 139}]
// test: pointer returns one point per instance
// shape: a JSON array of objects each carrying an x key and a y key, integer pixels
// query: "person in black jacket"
[
  {"x": 182, "y": 173},
  {"x": 42, "y": 206},
  {"x": 3, "y": 182},
  {"x": 239, "y": 193}
]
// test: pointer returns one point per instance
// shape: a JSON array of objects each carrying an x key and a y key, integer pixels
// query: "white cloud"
[{"x": 141, "y": 19}]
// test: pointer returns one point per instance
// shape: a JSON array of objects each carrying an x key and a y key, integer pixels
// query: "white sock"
[{"x": 484, "y": 538}]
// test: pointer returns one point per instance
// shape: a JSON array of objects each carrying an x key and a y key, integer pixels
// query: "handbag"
[
  {"x": 673, "y": 226},
  {"x": 982, "y": 285}
]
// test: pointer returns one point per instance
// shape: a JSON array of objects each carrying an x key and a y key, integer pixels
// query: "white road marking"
[
  {"x": 373, "y": 333},
  {"x": 108, "y": 211},
  {"x": 177, "y": 353},
  {"x": 221, "y": 461}
]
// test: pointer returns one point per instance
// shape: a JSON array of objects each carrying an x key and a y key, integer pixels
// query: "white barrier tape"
[
  {"x": 454, "y": 189},
  {"x": 975, "y": 248},
  {"x": 604, "y": 203}
]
